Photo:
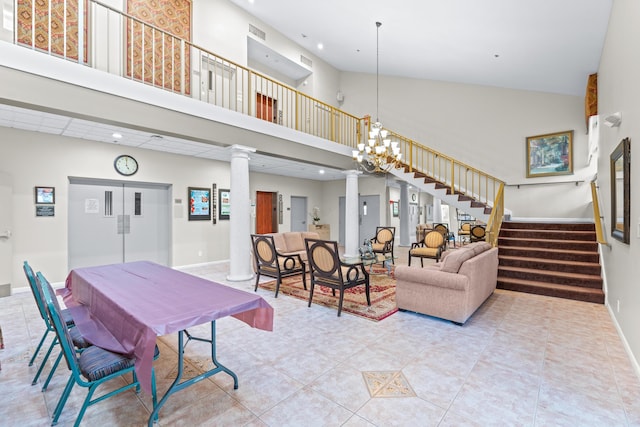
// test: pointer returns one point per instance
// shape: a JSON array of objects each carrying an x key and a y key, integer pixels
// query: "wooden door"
[
  {"x": 266, "y": 108},
  {"x": 266, "y": 212}
]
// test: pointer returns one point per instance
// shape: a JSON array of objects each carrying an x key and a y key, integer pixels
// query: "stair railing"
[
  {"x": 119, "y": 43},
  {"x": 496, "y": 217},
  {"x": 460, "y": 177},
  {"x": 597, "y": 216}
]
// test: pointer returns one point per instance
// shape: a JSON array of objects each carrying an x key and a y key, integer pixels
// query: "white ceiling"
[
  {"x": 541, "y": 45},
  {"x": 37, "y": 121}
]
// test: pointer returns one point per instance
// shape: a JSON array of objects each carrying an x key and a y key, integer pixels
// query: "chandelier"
[{"x": 379, "y": 154}]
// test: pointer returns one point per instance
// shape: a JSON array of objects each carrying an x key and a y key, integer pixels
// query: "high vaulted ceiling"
[{"x": 540, "y": 45}]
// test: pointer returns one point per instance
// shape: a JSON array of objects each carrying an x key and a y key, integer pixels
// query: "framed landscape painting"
[{"x": 550, "y": 154}]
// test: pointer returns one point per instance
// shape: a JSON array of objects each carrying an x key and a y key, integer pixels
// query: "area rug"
[{"x": 382, "y": 293}]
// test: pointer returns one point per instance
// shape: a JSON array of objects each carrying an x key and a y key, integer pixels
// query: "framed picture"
[
  {"x": 550, "y": 154},
  {"x": 224, "y": 202},
  {"x": 45, "y": 195},
  {"x": 199, "y": 204},
  {"x": 394, "y": 208}
]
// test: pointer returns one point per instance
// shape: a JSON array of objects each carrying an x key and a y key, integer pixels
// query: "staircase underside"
[{"x": 479, "y": 210}]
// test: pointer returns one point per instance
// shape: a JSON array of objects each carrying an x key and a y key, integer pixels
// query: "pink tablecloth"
[{"x": 123, "y": 307}]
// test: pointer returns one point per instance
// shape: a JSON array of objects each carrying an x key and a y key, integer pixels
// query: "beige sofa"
[
  {"x": 452, "y": 289},
  {"x": 292, "y": 242}
]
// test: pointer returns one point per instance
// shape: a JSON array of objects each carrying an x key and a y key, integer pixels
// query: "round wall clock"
[
  {"x": 413, "y": 197},
  {"x": 126, "y": 165}
]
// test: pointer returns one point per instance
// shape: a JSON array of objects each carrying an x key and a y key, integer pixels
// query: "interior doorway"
[
  {"x": 6, "y": 225},
  {"x": 266, "y": 212},
  {"x": 299, "y": 213},
  {"x": 115, "y": 221},
  {"x": 266, "y": 108},
  {"x": 368, "y": 217}
]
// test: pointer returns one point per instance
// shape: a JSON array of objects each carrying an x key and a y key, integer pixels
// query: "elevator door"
[{"x": 113, "y": 222}]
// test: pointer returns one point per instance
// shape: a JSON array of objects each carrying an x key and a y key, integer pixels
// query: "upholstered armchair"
[
  {"x": 477, "y": 233},
  {"x": 444, "y": 230},
  {"x": 326, "y": 269},
  {"x": 430, "y": 247},
  {"x": 382, "y": 243},
  {"x": 464, "y": 232},
  {"x": 269, "y": 262}
]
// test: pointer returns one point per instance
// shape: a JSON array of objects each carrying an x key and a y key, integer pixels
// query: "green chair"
[
  {"x": 91, "y": 368},
  {"x": 78, "y": 340}
]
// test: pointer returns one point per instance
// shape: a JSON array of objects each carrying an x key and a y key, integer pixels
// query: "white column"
[
  {"x": 240, "y": 218},
  {"x": 404, "y": 214},
  {"x": 351, "y": 215},
  {"x": 437, "y": 210}
]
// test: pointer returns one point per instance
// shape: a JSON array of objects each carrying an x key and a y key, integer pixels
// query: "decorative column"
[
  {"x": 404, "y": 214},
  {"x": 437, "y": 210},
  {"x": 240, "y": 220},
  {"x": 351, "y": 213}
]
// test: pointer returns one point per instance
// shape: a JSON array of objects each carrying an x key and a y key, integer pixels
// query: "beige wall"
[
  {"x": 619, "y": 91},
  {"x": 485, "y": 127}
]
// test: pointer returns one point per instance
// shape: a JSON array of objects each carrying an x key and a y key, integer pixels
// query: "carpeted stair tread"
[
  {"x": 549, "y": 243},
  {"x": 551, "y": 264},
  {"x": 567, "y": 226},
  {"x": 549, "y": 289},
  {"x": 579, "y": 235},
  {"x": 557, "y": 277},
  {"x": 545, "y": 253},
  {"x": 559, "y": 273}
]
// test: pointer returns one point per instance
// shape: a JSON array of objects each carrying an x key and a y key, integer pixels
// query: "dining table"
[{"x": 125, "y": 307}]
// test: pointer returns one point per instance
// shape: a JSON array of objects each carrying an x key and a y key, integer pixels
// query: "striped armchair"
[
  {"x": 431, "y": 247},
  {"x": 382, "y": 243}
]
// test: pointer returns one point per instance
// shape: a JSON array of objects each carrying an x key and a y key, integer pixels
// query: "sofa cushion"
[
  {"x": 480, "y": 247},
  {"x": 294, "y": 241},
  {"x": 453, "y": 261},
  {"x": 278, "y": 240}
]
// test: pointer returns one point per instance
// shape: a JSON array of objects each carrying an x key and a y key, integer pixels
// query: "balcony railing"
[{"x": 110, "y": 40}]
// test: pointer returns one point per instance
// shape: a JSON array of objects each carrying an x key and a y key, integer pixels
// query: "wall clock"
[
  {"x": 413, "y": 197},
  {"x": 126, "y": 165}
]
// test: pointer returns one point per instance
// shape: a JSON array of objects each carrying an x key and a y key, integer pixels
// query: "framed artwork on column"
[{"x": 224, "y": 204}]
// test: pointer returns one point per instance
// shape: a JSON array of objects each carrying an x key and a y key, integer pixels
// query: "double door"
[{"x": 113, "y": 222}]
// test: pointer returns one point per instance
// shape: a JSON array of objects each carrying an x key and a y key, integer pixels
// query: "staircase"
[
  {"x": 478, "y": 209},
  {"x": 554, "y": 259}
]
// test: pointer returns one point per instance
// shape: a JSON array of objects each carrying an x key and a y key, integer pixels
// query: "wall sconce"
[{"x": 613, "y": 120}]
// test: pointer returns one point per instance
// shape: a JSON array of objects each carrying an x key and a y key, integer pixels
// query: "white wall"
[
  {"x": 223, "y": 28},
  {"x": 287, "y": 187},
  {"x": 38, "y": 159},
  {"x": 485, "y": 127},
  {"x": 619, "y": 91}
]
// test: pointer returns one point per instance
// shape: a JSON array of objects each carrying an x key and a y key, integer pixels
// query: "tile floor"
[{"x": 521, "y": 360}]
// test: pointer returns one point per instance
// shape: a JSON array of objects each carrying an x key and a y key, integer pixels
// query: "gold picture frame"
[{"x": 550, "y": 154}]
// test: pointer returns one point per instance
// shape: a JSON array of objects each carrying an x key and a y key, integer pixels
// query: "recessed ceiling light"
[
  {"x": 321, "y": 171},
  {"x": 251, "y": 1},
  {"x": 116, "y": 135},
  {"x": 320, "y": 46}
]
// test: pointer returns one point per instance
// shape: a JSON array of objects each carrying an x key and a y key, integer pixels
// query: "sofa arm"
[{"x": 431, "y": 277}]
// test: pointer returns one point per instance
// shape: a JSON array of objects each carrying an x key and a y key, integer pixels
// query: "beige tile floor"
[{"x": 521, "y": 360}]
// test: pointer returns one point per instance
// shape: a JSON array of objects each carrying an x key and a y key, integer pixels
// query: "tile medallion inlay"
[{"x": 387, "y": 384}]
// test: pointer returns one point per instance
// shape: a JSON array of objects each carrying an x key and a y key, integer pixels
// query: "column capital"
[{"x": 352, "y": 173}]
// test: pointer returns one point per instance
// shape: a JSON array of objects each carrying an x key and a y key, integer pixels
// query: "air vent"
[
  {"x": 306, "y": 61},
  {"x": 257, "y": 32}
]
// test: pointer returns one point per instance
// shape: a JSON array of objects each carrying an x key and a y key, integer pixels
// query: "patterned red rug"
[{"x": 382, "y": 292}]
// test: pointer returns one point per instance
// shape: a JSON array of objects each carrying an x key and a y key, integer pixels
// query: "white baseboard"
[{"x": 627, "y": 348}]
